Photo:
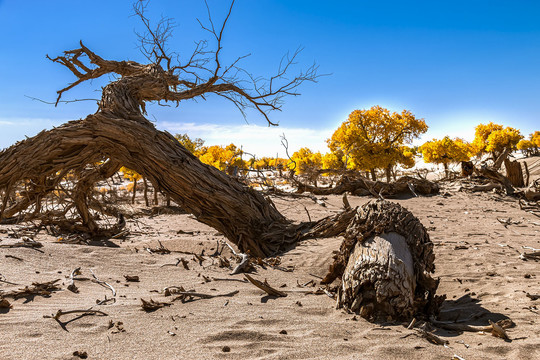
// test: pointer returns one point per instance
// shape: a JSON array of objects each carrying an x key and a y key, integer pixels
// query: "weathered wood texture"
[
  {"x": 385, "y": 261},
  {"x": 514, "y": 172},
  {"x": 362, "y": 186}
]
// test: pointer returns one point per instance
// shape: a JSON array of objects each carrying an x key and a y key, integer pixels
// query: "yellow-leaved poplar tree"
[
  {"x": 446, "y": 151},
  {"x": 306, "y": 162},
  {"x": 531, "y": 146},
  {"x": 374, "y": 139},
  {"x": 133, "y": 176},
  {"x": 228, "y": 158},
  {"x": 494, "y": 139},
  {"x": 194, "y": 146}
]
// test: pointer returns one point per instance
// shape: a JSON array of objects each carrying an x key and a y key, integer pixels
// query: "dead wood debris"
[
  {"x": 4, "y": 304},
  {"x": 86, "y": 312},
  {"x": 242, "y": 265},
  {"x": 14, "y": 257},
  {"x": 132, "y": 278},
  {"x": 184, "y": 295},
  {"x": 152, "y": 305},
  {"x": 432, "y": 338},
  {"x": 158, "y": 250},
  {"x": 25, "y": 242},
  {"x": 3, "y": 279},
  {"x": 41, "y": 289},
  {"x": 72, "y": 287},
  {"x": 534, "y": 255},
  {"x": 102, "y": 283},
  {"x": 496, "y": 329},
  {"x": 507, "y": 222},
  {"x": 265, "y": 287}
]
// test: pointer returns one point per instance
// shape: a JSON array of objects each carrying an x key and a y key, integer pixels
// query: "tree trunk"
[
  {"x": 155, "y": 194},
  {"x": 446, "y": 170},
  {"x": 500, "y": 158},
  {"x": 514, "y": 172},
  {"x": 373, "y": 175},
  {"x": 146, "y": 202},
  {"x": 134, "y": 191},
  {"x": 389, "y": 174},
  {"x": 385, "y": 262},
  {"x": 239, "y": 212}
]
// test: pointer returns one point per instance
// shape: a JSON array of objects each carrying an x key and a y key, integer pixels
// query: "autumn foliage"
[
  {"x": 530, "y": 146},
  {"x": 376, "y": 139},
  {"x": 446, "y": 151},
  {"x": 494, "y": 138}
]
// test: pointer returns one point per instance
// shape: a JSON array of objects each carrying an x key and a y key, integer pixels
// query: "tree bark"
[
  {"x": 385, "y": 262},
  {"x": 240, "y": 213},
  {"x": 446, "y": 170},
  {"x": 514, "y": 172}
]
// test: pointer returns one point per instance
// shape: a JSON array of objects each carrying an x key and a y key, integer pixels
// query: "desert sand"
[{"x": 477, "y": 259}]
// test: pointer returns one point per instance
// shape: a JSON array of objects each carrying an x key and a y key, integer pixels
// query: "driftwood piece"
[
  {"x": 385, "y": 263},
  {"x": 60, "y": 313},
  {"x": 242, "y": 265},
  {"x": 179, "y": 290},
  {"x": 26, "y": 242},
  {"x": 486, "y": 187},
  {"x": 265, "y": 287},
  {"x": 532, "y": 193}
]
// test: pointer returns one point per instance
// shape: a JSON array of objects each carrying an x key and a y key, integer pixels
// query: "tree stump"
[
  {"x": 514, "y": 173},
  {"x": 467, "y": 168},
  {"x": 386, "y": 261}
]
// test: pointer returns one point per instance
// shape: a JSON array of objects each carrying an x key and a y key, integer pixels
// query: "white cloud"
[{"x": 258, "y": 140}]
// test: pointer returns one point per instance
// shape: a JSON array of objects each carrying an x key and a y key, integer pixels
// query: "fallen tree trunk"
[
  {"x": 362, "y": 186},
  {"x": 385, "y": 262},
  {"x": 240, "y": 213}
]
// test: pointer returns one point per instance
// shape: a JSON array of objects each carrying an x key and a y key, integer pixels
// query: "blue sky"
[{"x": 453, "y": 63}]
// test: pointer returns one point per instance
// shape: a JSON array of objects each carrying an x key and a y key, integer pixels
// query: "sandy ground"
[{"x": 477, "y": 260}]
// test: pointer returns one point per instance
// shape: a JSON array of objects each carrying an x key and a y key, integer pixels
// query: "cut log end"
[{"x": 385, "y": 263}]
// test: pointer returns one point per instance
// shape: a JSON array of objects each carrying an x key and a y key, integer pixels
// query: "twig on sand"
[
  {"x": 183, "y": 294},
  {"x": 243, "y": 264},
  {"x": 265, "y": 287},
  {"x": 60, "y": 313},
  {"x": 496, "y": 329},
  {"x": 26, "y": 242},
  {"x": 103, "y": 283}
]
